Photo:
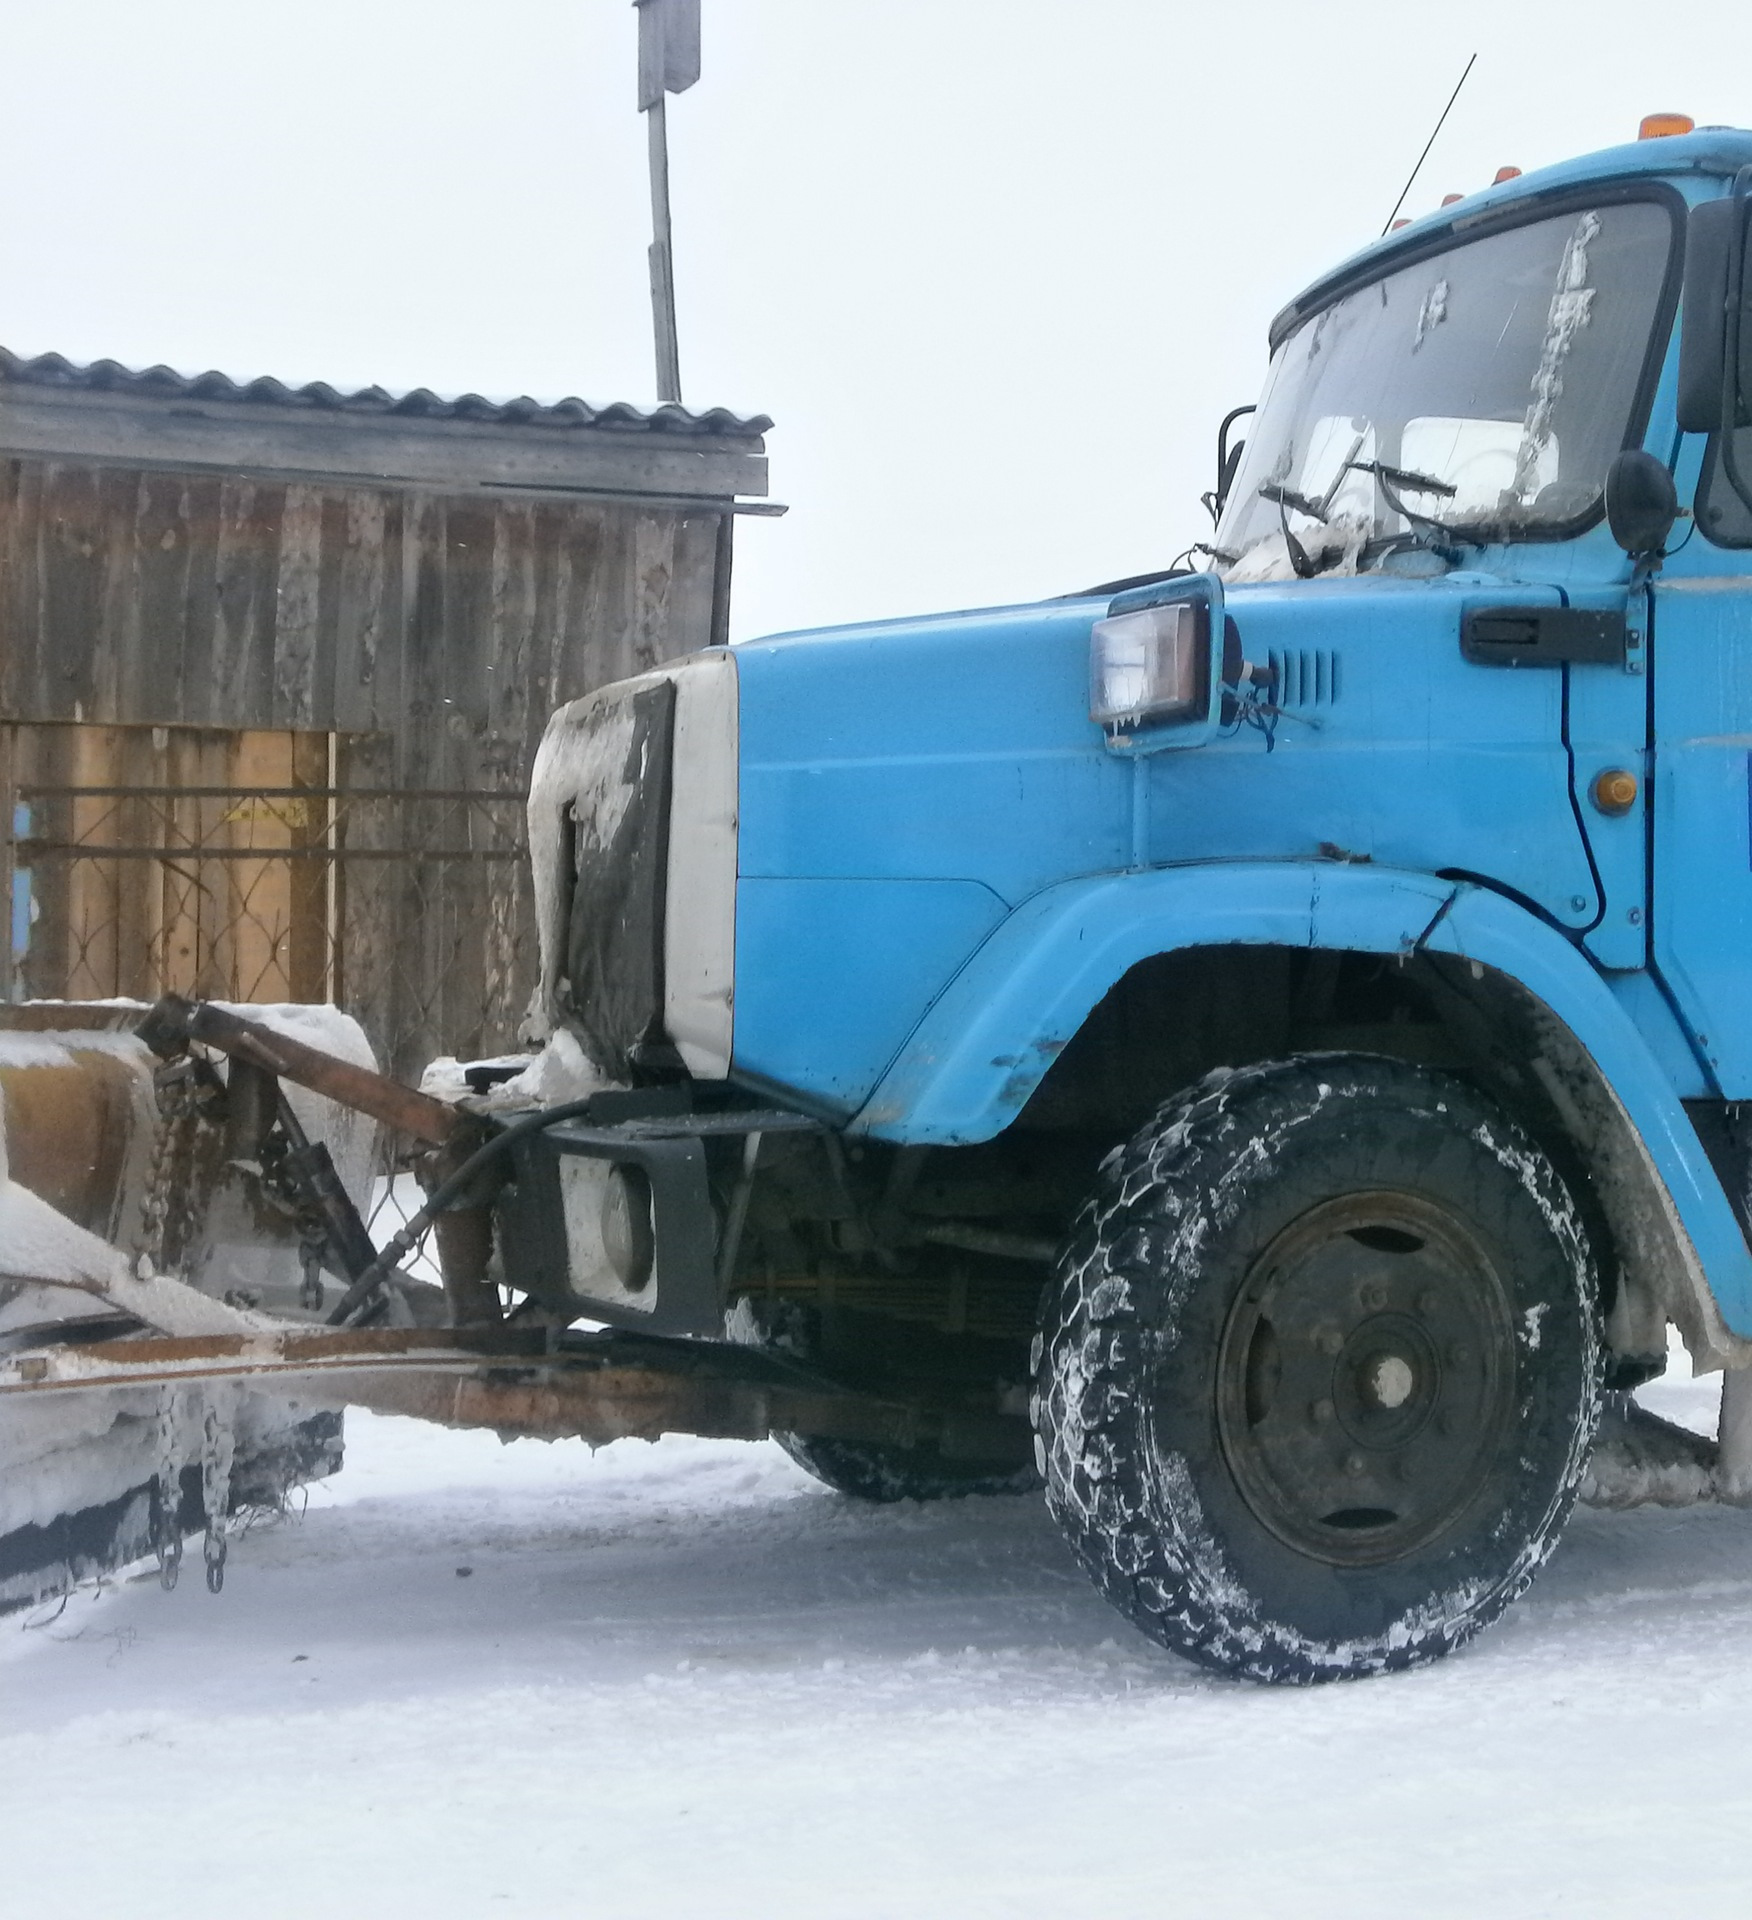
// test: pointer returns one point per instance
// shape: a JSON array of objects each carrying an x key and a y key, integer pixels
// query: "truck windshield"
[{"x": 1479, "y": 393}]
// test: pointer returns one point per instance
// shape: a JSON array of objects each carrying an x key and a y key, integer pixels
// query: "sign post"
[{"x": 669, "y": 62}]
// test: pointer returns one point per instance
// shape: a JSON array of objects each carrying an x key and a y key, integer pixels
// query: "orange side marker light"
[{"x": 1614, "y": 791}]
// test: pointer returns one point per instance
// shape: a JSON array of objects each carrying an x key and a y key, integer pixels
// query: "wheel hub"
[{"x": 1365, "y": 1381}]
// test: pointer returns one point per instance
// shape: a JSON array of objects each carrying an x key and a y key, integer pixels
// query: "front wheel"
[{"x": 1321, "y": 1369}]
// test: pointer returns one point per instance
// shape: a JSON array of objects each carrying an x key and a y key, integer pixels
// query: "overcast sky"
[{"x": 995, "y": 267}]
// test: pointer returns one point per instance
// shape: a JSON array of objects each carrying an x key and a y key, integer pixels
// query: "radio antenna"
[{"x": 1430, "y": 142}]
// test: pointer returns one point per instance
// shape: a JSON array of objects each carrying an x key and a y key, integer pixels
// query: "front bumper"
[{"x": 564, "y": 1234}]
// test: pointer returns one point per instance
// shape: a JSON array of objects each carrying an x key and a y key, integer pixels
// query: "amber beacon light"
[{"x": 1657, "y": 126}]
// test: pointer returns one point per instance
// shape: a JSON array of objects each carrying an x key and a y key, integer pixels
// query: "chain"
[
  {"x": 167, "y": 1529},
  {"x": 180, "y": 1109},
  {"x": 173, "y": 1143},
  {"x": 310, "y": 1293},
  {"x": 155, "y": 1206},
  {"x": 218, "y": 1449}
]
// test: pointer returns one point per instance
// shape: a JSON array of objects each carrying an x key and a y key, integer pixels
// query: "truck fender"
[{"x": 984, "y": 1046}]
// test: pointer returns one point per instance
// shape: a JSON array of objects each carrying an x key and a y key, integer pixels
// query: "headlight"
[
  {"x": 1152, "y": 666},
  {"x": 628, "y": 1236}
]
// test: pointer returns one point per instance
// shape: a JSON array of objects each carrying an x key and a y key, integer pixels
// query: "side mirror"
[
  {"x": 1715, "y": 246},
  {"x": 1641, "y": 503},
  {"x": 1228, "y": 460}
]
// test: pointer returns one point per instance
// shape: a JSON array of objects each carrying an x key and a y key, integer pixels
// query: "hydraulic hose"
[{"x": 441, "y": 1196}]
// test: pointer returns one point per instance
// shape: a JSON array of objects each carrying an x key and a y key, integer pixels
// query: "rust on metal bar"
[
  {"x": 598, "y": 1387},
  {"x": 299, "y": 1349},
  {"x": 375, "y": 1094}
]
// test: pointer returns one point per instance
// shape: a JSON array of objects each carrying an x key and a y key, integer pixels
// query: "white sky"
[{"x": 996, "y": 267}]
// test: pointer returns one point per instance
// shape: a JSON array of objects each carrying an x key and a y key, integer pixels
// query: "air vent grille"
[{"x": 1305, "y": 677}]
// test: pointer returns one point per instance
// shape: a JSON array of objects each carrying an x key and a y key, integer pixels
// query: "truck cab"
[{"x": 1280, "y": 1020}]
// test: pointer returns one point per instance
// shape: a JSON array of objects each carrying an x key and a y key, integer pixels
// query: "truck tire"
[
  {"x": 1320, "y": 1369},
  {"x": 865, "y": 1470},
  {"x": 870, "y": 1472}
]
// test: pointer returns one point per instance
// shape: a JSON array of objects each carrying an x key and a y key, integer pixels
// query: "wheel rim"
[{"x": 1365, "y": 1379}]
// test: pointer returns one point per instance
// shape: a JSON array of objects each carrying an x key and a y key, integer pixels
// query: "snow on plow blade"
[
  {"x": 101, "y": 1191},
  {"x": 274, "y": 1451}
]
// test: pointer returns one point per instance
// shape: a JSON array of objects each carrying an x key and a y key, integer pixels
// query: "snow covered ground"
[{"x": 685, "y": 1680}]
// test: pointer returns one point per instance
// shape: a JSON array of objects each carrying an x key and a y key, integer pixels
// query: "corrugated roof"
[{"x": 110, "y": 376}]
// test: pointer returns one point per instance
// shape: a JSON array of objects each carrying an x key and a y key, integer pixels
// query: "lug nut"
[
  {"x": 1320, "y": 1412},
  {"x": 1329, "y": 1340},
  {"x": 1374, "y": 1296},
  {"x": 1353, "y": 1464}
]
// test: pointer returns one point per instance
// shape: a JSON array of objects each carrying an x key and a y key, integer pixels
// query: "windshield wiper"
[
  {"x": 1289, "y": 497},
  {"x": 1407, "y": 477},
  {"x": 1305, "y": 503},
  {"x": 1390, "y": 479}
]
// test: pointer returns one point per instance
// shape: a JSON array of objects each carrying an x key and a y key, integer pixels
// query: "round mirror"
[{"x": 1641, "y": 502}]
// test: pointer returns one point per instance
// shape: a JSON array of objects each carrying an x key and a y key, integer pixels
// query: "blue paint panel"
[
  {"x": 913, "y": 817},
  {"x": 1609, "y": 729},
  {"x": 856, "y": 959},
  {"x": 1703, "y": 838},
  {"x": 1423, "y": 760},
  {"x": 959, "y": 748},
  {"x": 1640, "y": 995}
]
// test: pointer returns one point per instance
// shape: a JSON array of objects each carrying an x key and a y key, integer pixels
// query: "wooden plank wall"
[
  {"x": 452, "y": 624},
  {"x": 429, "y": 634}
]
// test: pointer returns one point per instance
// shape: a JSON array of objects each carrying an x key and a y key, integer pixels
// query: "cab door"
[{"x": 1701, "y": 943}]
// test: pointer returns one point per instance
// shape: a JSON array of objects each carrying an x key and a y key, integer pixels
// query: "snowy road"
[{"x": 685, "y": 1680}]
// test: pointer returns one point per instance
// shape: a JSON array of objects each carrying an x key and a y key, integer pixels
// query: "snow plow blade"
[
  {"x": 274, "y": 1452},
  {"x": 124, "y": 1215},
  {"x": 521, "y": 1384}
]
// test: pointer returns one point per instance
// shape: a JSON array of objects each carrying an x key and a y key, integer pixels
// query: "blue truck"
[
  {"x": 1285, "y": 1017},
  {"x": 1259, "y": 1049}
]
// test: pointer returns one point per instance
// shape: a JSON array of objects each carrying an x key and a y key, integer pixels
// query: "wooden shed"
[{"x": 274, "y": 662}]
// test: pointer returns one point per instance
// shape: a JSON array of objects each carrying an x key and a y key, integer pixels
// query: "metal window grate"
[{"x": 410, "y": 909}]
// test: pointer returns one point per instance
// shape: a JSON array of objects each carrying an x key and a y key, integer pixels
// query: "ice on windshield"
[{"x": 1483, "y": 390}]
